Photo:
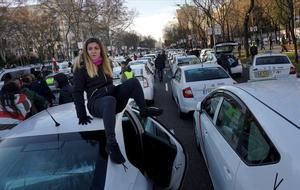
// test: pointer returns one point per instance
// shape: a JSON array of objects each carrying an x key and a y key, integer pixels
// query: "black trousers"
[
  {"x": 160, "y": 74},
  {"x": 106, "y": 107}
]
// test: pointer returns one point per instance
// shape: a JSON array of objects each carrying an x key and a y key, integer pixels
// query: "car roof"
[
  {"x": 282, "y": 96},
  {"x": 42, "y": 124},
  {"x": 227, "y": 44},
  {"x": 185, "y": 56},
  {"x": 140, "y": 60},
  {"x": 270, "y": 55},
  {"x": 199, "y": 65}
]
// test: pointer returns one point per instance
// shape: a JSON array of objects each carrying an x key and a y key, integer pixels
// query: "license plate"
[{"x": 263, "y": 73}]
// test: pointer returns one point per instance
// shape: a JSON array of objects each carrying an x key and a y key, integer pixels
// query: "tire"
[
  {"x": 197, "y": 141},
  {"x": 180, "y": 113}
]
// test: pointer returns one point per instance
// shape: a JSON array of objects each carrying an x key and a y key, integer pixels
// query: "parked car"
[
  {"x": 248, "y": 134},
  {"x": 269, "y": 65},
  {"x": 191, "y": 83},
  {"x": 183, "y": 60},
  {"x": 143, "y": 73},
  {"x": 6, "y": 74},
  {"x": 40, "y": 154},
  {"x": 143, "y": 62},
  {"x": 227, "y": 48}
]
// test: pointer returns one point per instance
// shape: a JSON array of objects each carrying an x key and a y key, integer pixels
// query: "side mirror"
[{"x": 199, "y": 107}]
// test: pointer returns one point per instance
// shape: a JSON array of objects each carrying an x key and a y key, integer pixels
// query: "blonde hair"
[{"x": 91, "y": 68}]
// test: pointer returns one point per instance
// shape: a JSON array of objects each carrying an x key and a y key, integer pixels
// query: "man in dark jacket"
[
  {"x": 160, "y": 65},
  {"x": 65, "y": 94},
  {"x": 253, "y": 50},
  {"x": 40, "y": 86}
]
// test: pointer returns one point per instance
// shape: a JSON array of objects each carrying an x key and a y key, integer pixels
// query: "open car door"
[{"x": 165, "y": 159}]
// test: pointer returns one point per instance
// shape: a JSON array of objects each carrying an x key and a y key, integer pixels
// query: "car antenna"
[{"x": 56, "y": 123}]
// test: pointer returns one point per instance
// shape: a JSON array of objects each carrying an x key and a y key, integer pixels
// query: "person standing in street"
[
  {"x": 160, "y": 62},
  {"x": 93, "y": 75},
  {"x": 253, "y": 50}
]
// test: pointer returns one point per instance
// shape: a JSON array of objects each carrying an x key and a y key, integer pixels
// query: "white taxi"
[
  {"x": 191, "y": 83},
  {"x": 144, "y": 75},
  {"x": 249, "y": 135},
  {"x": 266, "y": 66},
  {"x": 183, "y": 60},
  {"x": 58, "y": 153}
]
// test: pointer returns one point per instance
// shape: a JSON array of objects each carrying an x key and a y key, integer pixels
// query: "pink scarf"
[{"x": 98, "y": 61}]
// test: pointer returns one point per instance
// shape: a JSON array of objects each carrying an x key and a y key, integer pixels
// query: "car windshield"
[
  {"x": 187, "y": 60},
  {"x": 202, "y": 74},
  {"x": 76, "y": 161},
  {"x": 272, "y": 60}
]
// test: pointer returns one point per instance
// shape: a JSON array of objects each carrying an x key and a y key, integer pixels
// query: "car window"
[
  {"x": 66, "y": 161},
  {"x": 210, "y": 57},
  {"x": 255, "y": 147},
  {"x": 272, "y": 60},
  {"x": 230, "y": 121},
  {"x": 178, "y": 75},
  {"x": 210, "y": 106},
  {"x": 203, "y": 74},
  {"x": 151, "y": 128}
]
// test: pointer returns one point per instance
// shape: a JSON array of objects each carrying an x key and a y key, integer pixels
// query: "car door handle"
[{"x": 227, "y": 173}]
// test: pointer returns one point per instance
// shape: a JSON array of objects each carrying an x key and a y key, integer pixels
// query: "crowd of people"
[{"x": 29, "y": 94}]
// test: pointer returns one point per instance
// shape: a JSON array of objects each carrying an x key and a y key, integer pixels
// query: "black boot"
[
  {"x": 150, "y": 111},
  {"x": 115, "y": 154}
]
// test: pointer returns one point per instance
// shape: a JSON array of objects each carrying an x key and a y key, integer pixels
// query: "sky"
[{"x": 153, "y": 15}]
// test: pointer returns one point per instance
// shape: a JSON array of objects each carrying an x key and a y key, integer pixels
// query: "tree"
[
  {"x": 287, "y": 7},
  {"x": 147, "y": 42},
  {"x": 246, "y": 27},
  {"x": 130, "y": 39}
]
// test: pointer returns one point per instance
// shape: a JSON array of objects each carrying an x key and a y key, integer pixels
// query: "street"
[{"x": 197, "y": 176}]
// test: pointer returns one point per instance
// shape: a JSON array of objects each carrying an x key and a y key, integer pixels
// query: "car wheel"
[
  {"x": 197, "y": 140},
  {"x": 180, "y": 113},
  {"x": 172, "y": 95}
]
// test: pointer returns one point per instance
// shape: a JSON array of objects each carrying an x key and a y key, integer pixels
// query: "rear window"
[
  {"x": 76, "y": 161},
  {"x": 137, "y": 62},
  {"x": 272, "y": 60},
  {"x": 202, "y": 74},
  {"x": 138, "y": 72},
  {"x": 187, "y": 60}
]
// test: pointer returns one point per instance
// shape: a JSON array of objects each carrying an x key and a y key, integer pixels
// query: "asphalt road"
[{"x": 197, "y": 174}]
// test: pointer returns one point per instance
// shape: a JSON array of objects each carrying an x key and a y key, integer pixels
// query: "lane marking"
[{"x": 166, "y": 84}]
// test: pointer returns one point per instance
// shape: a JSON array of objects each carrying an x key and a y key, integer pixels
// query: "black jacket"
[
  {"x": 99, "y": 86},
  {"x": 66, "y": 90},
  {"x": 160, "y": 61}
]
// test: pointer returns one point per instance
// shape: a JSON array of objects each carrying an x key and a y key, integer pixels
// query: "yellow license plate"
[{"x": 263, "y": 73}]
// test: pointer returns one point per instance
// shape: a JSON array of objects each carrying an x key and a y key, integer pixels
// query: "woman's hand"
[{"x": 85, "y": 120}]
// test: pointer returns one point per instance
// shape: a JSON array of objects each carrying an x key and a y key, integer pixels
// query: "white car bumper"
[{"x": 188, "y": 104}]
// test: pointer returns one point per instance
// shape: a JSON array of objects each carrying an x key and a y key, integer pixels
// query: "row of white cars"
[{"x": 248, "y": 133}]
